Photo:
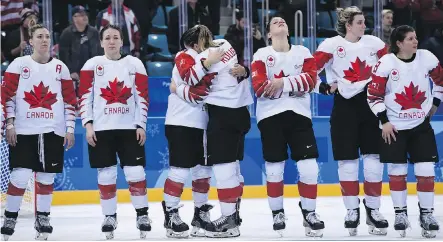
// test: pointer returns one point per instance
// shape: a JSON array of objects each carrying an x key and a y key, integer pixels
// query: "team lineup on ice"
[{"x": 380, "y": 96}]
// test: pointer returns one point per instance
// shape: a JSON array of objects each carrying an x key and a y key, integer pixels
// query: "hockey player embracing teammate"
[
  {"x": 185, "y": 125},
  {"x": 114, "y": 110},
  {"x": 283, "y": 75},
  {"x": 400, "y": 95}
]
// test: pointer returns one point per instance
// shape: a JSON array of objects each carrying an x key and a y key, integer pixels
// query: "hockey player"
[
  {"x": 185, "y": 125},
  {"x": 283, "y": 75},
  {"x": 38, "y": 101},
  {"x": 113, "y": 107},
  {"x": 228, "y": 123},
  {"x": 197, "y": 37},
  {"x": 348, "y": 59},
  {"x": 400, "y": 95}
]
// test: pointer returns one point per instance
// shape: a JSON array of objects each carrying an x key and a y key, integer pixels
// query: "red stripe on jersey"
[
  {"x": 141, "y": 83},
  {"x": 173, "y": 188},
  {"x": 321, "y": 58},
  {"x": 437, "y": 75},
  {"x": 259, "y": 77},
  {"x": 307, "y": 190},
  {"x": 274, "y": 189},
  {"x": 425, "y": 183},
  {"x": 309, "y": 67},
  {"x": 15, "y": 191},
  {"x": 107, "y": 191},
  {"x": 397, "y": 183},
  {"x": 349, "y": 188},
  {"x": 382, "y": 52},
  {"x": 184, "y": 63},
  {"x": 305, "y": 83},
  {"x": 43, "y": 189},
  {"x": 201, "y": 185},
  {"x": 68, "y": 92},
  {"x": 86, "y": 78},
  {"x": 377, "y": 87},
  {"x": 229, "y": 195},
  {"x": 137, "y": 188},
  {"x": 372, "y": 188},
  {"x": 298, "y": 84},
  {"x": 10, "y": 85}
]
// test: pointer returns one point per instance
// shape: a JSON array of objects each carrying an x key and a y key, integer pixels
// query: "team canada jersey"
[
  {"x": 41, "y": 97},
  {"x": 114, "y": 93},
  {"x": 403, "y": 89},
  {"x": 298, "y": 70},
  {"x": 226, "y": 90},
  {"x": 349, "y": 64},
  {"x": 185, "y": 106}
]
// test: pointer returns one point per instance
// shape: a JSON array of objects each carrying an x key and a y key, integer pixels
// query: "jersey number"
[{"x": 376, "y": 66}]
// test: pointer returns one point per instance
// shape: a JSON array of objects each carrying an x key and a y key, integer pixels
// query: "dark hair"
[
  {"x": 345, "y": 16},
  {"x": 239, "y": 14},
  {"x": 199, "y": 35},
  {"x": 111, "y": 26},
  {"x": 268, "y": 28},
  {"x": 34, "y": 28},
  {"x": 398, "y": 34}
]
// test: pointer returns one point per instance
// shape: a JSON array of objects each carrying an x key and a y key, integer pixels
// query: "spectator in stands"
[
  {"x": 435, "y": 44},
  {"x": 387, "y": 17},
  {"x": 31, "y": 4},
  {"x": 235, "y": 36},
  {"x": 20, "y": 36},
  {"x": 196, "y": 15},
  {"x": 78, "y": 43},
  {"x": 128, "y": 24},
  {"x": 214, "y": 13}
]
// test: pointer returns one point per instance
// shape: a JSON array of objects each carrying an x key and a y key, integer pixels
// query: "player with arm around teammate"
[
  {"x": 39, "y": 101},
  {"x": 114, "y": 107},
  {"x": 185, "y": 125},
  {"x": 400, "y": 96},
  {"x": 348, "y": 59}
]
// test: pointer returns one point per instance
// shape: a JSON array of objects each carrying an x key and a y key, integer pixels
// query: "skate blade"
[
  {"x": 313, "y": 233},
  {"x": 143, "y": 234},
  {"x": 198, "y": 232},
  {"x": 234, "y": 232},
  {"x": 377, "y": 231},
  {"x": 5, "y": 237},
  {"x": 176, "y": 235},
  {"x": 352, "y": 231},
  {"x": 429, "y": 234},
  {"x": 41, "y": 236},
  {"x": 402, "y": 233},
  {"x": 280, "y": 232},
  {"x": 109, "y": 235}
]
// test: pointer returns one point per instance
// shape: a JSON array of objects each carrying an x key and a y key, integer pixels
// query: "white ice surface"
[{"x": 83, "y": 222}]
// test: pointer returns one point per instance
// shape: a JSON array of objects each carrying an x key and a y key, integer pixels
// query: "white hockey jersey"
[
  {"x": 403, "y": 89},
  {"x": 297, "y": 68},
  {"x": 41, "y": 97},
  {"x": 114, "y": 93},
  {"x": 226, "y": 90},
  {"x": 349, "y": 64},
  {"x": 185, "y": 106}
]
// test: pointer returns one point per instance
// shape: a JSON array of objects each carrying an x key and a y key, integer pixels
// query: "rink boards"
[{"x": 78, "y": 183}]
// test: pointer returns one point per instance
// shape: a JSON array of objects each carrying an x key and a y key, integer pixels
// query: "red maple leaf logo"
[
  {"x": 358, "y": 71},
  {"x": 280, "y": 75},
  {"x": 394, "y": 73},
  {"x": 270, "y": 58},
  {"x": 116, "y": 92},
  {"x": 99, "y": 68},
  {"x": 410, "y": 98},
  {"x": 25, "y": 71},
  {"x": 40, "y": 97},
  {"x": 340, "y": 49}
]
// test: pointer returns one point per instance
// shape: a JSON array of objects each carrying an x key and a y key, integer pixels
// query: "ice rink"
[{"x": 83, "y": 222}]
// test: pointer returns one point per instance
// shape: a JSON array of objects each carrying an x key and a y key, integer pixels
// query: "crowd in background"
[{"x": 76, "y": 27}]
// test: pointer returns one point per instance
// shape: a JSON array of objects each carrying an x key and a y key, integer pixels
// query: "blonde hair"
[
  {"x": 34, "y": 28},
  {"x": 386, "y": 11},
  {"x": 345, "y": 16},
  {"x": 205, "y": 39}
]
